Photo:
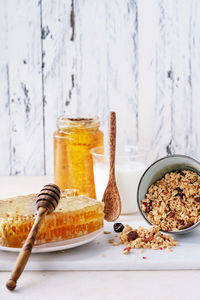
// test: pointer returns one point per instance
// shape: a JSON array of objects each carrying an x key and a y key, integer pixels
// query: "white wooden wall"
[{"x": 140, "y": 58}]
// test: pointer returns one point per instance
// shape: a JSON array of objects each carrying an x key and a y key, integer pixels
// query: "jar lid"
[{"x": 73, "y": 121}]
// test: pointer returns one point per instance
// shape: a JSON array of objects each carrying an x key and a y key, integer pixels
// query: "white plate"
[{"x": 57, "y": 246}]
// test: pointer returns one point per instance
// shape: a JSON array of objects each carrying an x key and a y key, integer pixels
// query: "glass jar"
[
  {"x": 129, "y": 166},
  {"x": 73, "y": 165}
]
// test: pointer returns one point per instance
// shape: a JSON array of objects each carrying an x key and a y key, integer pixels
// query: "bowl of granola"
[{"x": 168, "y": 194}]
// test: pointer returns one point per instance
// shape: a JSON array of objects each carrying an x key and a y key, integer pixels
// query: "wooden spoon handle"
[
  {"x": 26, "y": 249},
  {"x": 112, "y": 142}
]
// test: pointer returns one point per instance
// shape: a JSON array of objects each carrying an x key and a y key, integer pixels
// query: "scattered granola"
[
  {"x": 173, "y": 202},
  {"x": 146, "y": 238}
]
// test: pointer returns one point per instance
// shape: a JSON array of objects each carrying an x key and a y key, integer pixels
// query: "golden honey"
[
  {"x": 73, "y": 165},
  {"x": 75, "y": 216}
]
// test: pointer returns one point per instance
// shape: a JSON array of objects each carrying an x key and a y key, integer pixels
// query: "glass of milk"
[{"x": 129, "y": 167}]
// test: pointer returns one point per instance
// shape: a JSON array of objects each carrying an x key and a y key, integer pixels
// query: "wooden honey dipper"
[{"x": 46, "y": 202}]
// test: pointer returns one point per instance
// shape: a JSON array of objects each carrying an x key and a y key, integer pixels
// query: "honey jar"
[{"x": 73, "y": 164}]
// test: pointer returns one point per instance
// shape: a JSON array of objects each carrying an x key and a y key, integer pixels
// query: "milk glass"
[{"x": 129, "y": 167}]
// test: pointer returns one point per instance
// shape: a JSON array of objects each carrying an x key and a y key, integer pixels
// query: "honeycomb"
[{"x": 75, "y": 216}]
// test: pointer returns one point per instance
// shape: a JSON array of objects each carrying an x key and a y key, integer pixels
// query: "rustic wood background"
[{"x": 139, "y": 58}]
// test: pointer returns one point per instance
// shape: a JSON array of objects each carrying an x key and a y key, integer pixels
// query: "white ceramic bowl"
[{"x": 157, "y": 170}]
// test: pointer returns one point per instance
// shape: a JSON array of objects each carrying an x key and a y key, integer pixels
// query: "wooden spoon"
[
  {"x": 111, "y": 197},
  {"x": 46, "y": 202}
]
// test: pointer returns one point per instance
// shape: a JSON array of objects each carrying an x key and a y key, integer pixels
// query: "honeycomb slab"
[{"x": 75, "y": 216}]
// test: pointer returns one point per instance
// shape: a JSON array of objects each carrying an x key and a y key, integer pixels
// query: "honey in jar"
[{"x": 73, "y": 165}]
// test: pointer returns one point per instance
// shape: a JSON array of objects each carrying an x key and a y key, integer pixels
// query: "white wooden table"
[{"x": 155, "y": 285}]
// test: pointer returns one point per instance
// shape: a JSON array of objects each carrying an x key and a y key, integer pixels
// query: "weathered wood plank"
[
  {"x": 179, "y": 75},
  {"x": 58, "y": 64},
  {"x": 90, "y": 57},
  {"x": 165, "y": 76},
  {"x": 147, "y": 74},
  {"x": 161, "y": 140},
  {"x": 58, "y": 67},
  {"x": 5, "y": 139},
  {"x": 194, "y": 26},
  {"x": 122, "y": 68},
  {"x": 24, "y": 44}
]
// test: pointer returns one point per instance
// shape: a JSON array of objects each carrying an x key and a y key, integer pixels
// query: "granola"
[
  {"x": 173, "y": 202},
  {"x": 145, "y": 238}
]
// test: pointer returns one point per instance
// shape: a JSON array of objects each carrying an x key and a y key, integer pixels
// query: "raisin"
[
  {"x": 148, "y": 209},
  {"x": 197, "y": 199},
  {"x": 181, "y": 222},
  {"x": 191, "y": 182},
  {"x": 118, "y": 227},
  {"x": 179, "y": 190},
  {"x": 181, "y": 173},
  {"x": 180, "y": 195},
  {"x": 132, "y": 235},
  {"x": 171, "y": 214},
  {"x": 148, "y": 206}
]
